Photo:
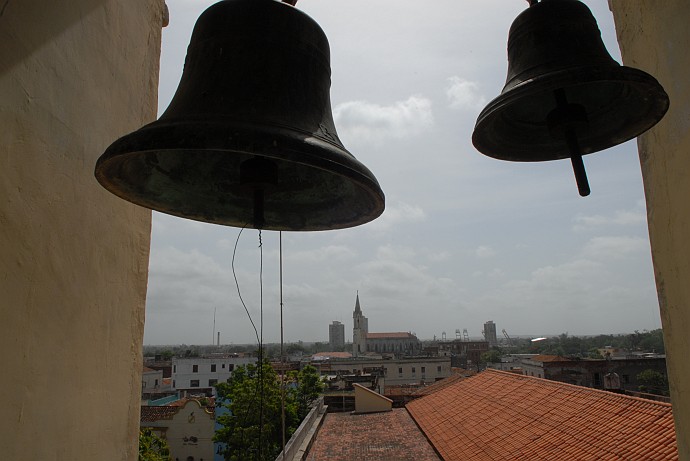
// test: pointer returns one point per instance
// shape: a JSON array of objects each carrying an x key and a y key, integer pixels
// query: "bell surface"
[
  {"x": 564, "y": 91},
  {"x": 248, "y": 140}
]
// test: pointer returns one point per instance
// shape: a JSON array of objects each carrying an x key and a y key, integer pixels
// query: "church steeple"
[{"x": 360, "y": 330}]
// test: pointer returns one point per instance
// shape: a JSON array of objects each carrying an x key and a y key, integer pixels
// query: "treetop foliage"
[{"x": 252, "y": 431}]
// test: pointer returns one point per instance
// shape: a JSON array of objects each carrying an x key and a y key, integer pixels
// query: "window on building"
[
  {"x": 173, "y": 383},
  {"x": 626, "y": 379},
  {"x": 597, "y": 379},
  {"x": 212, "y": 382},
  {"x": 231, "y": 367},
  {"x": 423, "y": 370},
  {"x": 155, "y": 383},
  {"x": 195, "y": 368},
  {"x": 194, "y": 383},
  {"x": 414, "y": 370},
  {"x": 213, "y": 368},
  {"x": 400, "y": 371},
  {"x": 438, "y": 369},
  {"x": 174, "y": 368},
  {"x": 223, "y": 366}
]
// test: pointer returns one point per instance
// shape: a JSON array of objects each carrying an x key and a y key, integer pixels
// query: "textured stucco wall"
[
  {"x": 74, "y": 75},
  {"x": 654, "y": 36}
]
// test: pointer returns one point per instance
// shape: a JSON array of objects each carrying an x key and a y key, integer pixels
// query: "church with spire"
[{"x": 398, "y": 344}]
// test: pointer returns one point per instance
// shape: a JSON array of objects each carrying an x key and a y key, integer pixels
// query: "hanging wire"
[
  {"x": 261, "y": 345},
  {"x": 282, "y": 355},
  {"x": 237, "y": 284},
  {"x": 259, "y": 338}
]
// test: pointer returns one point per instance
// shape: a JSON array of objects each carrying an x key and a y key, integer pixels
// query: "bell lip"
[
  {"x": 518, "y": 150},
  {"x": 306, "y": 150}
]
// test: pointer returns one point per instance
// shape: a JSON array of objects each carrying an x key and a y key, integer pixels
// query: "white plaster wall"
[
  {"x": 654, "y": 36},
  {"x": 74, "y": 75}
]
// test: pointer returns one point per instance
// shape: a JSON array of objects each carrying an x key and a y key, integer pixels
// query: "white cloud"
[
  {"x": 396, "y": 215},
  {"x": 620, "y": 218},
  {"x": 484, "y": 251},
  {"x": 185, "y": 281},
  {"x": 369, "y": 122},
  {"x": 604, "y": 248},
  {"x": 439, "y": 257},
  {"x": 464, "y": 94},
  {"x": 330, "y": 253}
]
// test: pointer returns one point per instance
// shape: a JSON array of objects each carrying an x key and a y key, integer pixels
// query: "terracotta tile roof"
[
  {"x": 396, "y": 335},
  {"x": 438, "y": 385},
  {"x": 372, "y": 437},
  {"x": 153, "y": 414},
  {"x": 497, "y": 415}
]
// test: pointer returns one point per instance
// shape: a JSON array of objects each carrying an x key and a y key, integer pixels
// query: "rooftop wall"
[
  {"x": 653, "y": 36},
  {"x": 74, "y": 76}
]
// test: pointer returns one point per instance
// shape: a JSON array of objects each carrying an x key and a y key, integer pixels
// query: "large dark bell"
[
  {"x": 248, "y": 139},
  {"x": 564, "y": 95}
]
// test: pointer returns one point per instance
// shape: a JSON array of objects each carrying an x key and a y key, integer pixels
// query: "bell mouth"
[
  {"x": 620, "y": 103},
  {"x": 195, "y": 171}
]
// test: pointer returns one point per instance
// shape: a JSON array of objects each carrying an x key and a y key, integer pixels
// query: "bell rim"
[
  {"x": 657, "y": 106},
  {"x": 302, "y": 150}
]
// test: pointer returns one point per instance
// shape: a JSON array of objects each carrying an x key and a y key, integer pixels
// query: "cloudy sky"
[{"x": 464, "y": 238}]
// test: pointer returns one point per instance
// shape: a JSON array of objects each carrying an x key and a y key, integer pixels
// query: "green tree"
[
  {"x": 492, "y": 356},
  {"x": 653, "y": 382},
  {"x": 253, "y": 429},
  {"x": 594, "y": 353},
  {"x": 309, "y": 387},
  {"x": 152, "y": 447}
]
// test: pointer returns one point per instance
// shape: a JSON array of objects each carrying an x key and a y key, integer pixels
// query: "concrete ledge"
[{"x": 298, "y": 445}]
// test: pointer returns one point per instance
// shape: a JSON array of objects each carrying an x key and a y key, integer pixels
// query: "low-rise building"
[
  {"x": 201, "y": 374},
  {"x": 593, "y": 372},
  {"x": 151, "y": 381},
  {"x": 187, "y": 425},
  {"x": 411, "y": 370}
]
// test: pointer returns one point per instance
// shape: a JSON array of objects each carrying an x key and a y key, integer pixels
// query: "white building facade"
[{"x": 202, "y": 373}]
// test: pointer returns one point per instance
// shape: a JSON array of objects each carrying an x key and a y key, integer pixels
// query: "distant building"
[
  {"x": 593, "y": 372},
  {"x": 396, "y": 344},
  {"x": 395, "y": 372},
  {"x": 200, "y": 374},
  {"x": 336, "y": 336},
  {"x": 400, "y": 344},
  {"x": 464, "y": 354},
  {"x": 490, "y": 333}
]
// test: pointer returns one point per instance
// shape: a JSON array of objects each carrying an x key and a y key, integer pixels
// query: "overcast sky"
[{"x": 464, "y": 239}]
